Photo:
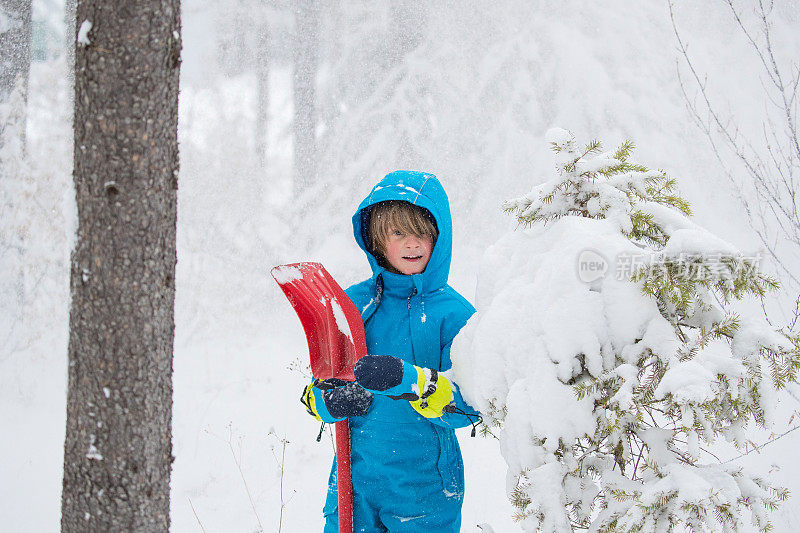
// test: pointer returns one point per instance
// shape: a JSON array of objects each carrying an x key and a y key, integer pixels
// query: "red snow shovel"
[{"x": 335, "y": 335}]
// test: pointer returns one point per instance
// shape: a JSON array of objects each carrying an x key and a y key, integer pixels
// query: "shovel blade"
[{"x": 332, "y": 323}]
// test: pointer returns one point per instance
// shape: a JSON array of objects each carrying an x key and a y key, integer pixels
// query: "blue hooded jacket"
[{"x": 407, "y": 469}]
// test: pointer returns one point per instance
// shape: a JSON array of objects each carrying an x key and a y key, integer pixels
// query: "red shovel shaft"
[
  {"x": 343, "y": 477},
  {"x": 336, "y": 340}
]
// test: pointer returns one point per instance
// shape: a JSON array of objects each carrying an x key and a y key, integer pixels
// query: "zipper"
[
  {"x": 413, "y": 293},
  {"x": 411, "y": 326}
]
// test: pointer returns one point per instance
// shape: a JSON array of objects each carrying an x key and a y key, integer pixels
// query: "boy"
[{"x": 407, "y": 469}]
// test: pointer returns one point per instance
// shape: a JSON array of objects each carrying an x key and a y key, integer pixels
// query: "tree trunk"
[
  {"x": 69, "y": 47},
  {"x": 15, "y": 44},
  {"x": 118, "y": 448},
  {"x": 332, "y": 49},
  {"x": 262, "y": 93},
  {"x": 15, "y": 51},
  {"x": 15, "y": 66},
  {"x": 305, "y": 73}
]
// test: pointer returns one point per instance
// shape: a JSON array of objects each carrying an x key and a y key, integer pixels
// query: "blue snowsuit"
[{"x": 408, "y": 475}]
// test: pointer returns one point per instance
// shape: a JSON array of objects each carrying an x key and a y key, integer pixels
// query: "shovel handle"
[{"x": 344, "y": 476}]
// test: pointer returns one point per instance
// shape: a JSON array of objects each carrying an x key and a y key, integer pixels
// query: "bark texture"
[{"x": 118, "y": 448}]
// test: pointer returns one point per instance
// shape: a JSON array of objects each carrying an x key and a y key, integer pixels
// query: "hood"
[{"x": 424, "y": 190}]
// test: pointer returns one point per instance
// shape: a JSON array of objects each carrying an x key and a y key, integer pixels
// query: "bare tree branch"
[{"x": 774, "y": 168}]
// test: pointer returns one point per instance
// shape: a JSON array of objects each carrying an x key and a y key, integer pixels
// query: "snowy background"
[{"x": 465, "y": 90}]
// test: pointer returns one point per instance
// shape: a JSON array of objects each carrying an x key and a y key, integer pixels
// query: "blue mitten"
[
  {"x": 332, "y": 400},
  {"x": 427, "y": 391},
  {"x": 385, "y": 374}
]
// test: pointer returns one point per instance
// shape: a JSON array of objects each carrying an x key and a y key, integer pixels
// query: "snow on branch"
[{"x": 605, "y": 350}]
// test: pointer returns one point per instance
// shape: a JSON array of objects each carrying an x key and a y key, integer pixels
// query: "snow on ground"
[{"x": 235, "y": 404}]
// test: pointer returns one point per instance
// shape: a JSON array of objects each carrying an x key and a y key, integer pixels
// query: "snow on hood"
[{"x": 418, "y": 188}]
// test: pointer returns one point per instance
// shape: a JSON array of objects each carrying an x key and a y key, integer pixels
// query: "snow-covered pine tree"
[{"x": 610, "y": 383}]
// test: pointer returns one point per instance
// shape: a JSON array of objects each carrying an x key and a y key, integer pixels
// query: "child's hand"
[
  {"x": 333, "y": 400},
  {"x": 427, "y": 391}
]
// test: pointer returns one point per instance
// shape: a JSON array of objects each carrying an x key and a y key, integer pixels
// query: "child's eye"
[{"x": 397, "y": 232}]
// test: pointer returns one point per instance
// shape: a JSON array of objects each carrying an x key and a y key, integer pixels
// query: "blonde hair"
[{"x": 398, "y": 215}]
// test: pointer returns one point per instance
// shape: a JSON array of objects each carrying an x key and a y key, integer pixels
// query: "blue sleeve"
[
  {"x": 322, "y": 408},
  {"x": 464, "y": 414}
]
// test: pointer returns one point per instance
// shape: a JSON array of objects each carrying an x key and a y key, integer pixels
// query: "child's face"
[{"x": 407, "y": 253}]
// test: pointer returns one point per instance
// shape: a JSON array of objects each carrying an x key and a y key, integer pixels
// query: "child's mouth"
[{"x": 412, "y": 258}]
